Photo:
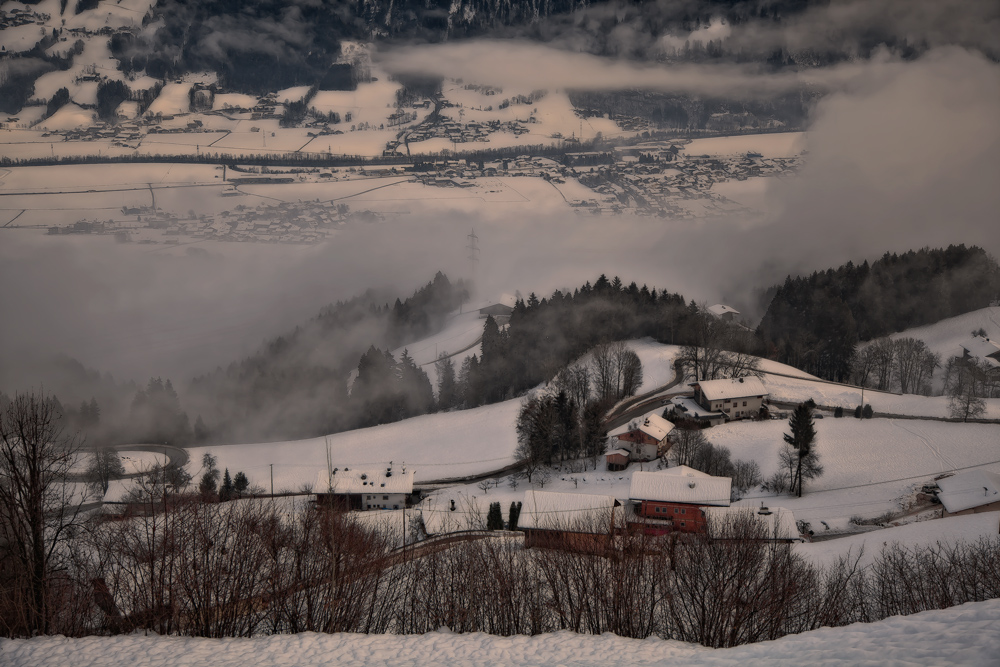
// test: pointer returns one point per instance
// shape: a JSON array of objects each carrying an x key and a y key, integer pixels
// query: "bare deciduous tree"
[{"x": 38, "y": 509}]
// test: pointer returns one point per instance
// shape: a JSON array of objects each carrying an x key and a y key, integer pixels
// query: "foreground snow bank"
[{"x": 963, "y": 635}]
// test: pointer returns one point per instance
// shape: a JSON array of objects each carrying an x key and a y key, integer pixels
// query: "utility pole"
[
  {"x": 271, "y": 465},
  {"x": 473, "y": 249}
]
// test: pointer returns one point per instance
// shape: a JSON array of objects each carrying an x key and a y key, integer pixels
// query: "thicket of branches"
[{"x": 250, "y": 568}]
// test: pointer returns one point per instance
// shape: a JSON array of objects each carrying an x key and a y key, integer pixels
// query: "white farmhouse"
[
  {"x": 736, "y": 397},
  {"x": 365, "y": 488}
]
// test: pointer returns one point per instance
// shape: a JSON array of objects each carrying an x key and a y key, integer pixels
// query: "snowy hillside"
[
  {"x": 444, "y": 445},
  {"x": 963, "y": 635}
]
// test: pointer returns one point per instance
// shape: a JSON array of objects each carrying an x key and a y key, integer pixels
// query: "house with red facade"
[
  {"x": 672, "y": 500},
  {"x": 648, "y": 440}
]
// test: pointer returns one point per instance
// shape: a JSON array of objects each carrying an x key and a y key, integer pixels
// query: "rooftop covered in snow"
[
  {"x": 720, "y": 390},
  {"x": 983, "y": 349},
  {"x": 547, "y": 510},
  {"x": 966, "y": 490},
  {"x": 681, "y": 484},
  {"x": 365, "y": 480},
  {"x": 775, "y": 523}
]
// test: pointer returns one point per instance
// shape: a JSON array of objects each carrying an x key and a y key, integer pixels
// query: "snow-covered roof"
[
  {"x": 720, "y": 390},
  {"x": 969, "y": 489},
  {"x": 365, "y": 480},
  {"x": 548, "y": 510},
  {"x": 619, "y": 452},
  {"x": 777, "y": 523},
  {"x": 681, "y": 485},
  {"x": 656, "y": 427},
  {"x": 983, "y": 349},
  {"x": 721, "y": 309}
]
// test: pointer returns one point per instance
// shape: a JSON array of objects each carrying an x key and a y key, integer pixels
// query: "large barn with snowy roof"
[
  {"x": 672, "y": 499},
  {"x": 736, "y": 397}
]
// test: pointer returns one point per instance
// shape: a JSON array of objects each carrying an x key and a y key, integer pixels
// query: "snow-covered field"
[
  {"x": 834, "y": 395},
  {"x": 866, "y": 546},
  {"x": 869, "y": 465},
  {"x": 772, "y": 145},
  {"x": 444, "y": 445},
  {"x": 964, "y": 635}
]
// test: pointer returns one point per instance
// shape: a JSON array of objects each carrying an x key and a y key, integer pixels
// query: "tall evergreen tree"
[{"x": 803, "y": 460}]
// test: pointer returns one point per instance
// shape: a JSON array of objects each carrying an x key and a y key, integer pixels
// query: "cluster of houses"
[
  {"x": 713, "y": 402},
  {"x": 677, "y": 500}
]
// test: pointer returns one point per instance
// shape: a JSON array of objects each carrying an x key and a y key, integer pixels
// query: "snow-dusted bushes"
[{"x": 251, "y": 568}]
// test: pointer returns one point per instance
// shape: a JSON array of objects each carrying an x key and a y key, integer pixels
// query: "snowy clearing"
[
  {"x": 867, "y": 546},
  {"x": 449, "y": 444},
  {"x": 964, "y": 635},
  {"x": 778, "y": 144}
]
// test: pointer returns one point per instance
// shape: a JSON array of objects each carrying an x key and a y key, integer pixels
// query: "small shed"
[{"x": 617, "y": 460}]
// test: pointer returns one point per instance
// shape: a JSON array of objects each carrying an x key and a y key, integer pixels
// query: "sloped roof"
[
  {"x": 681, "y": 485},
  {"x": 721, "y": 309},
  {"x": 777, "y": 524},
  {"x": 984, "y": 349},
  {"x": 365, "y": 480},
  {"x": 656, "y": 427},
  {"x": 720, "y": 390},
  {"x": 582, "y": 512},
  {"x": 969, "y": 489}
]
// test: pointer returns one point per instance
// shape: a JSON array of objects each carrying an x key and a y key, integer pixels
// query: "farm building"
[
  {"x": 986, "y": 355},
  {"x": 648, "y": 440},
  {"x": 970, "y": 492},
  {"x": 736, "y": 397},
  {"x": 617, "y": 460},
  {"x": 672, "y": 500},
  {"x": 572, "y": 521},
  {"x": 773, "y": 524},
  {"x": 365, "y": 488},
  {"x": 500, "y": 310},
  {"x": 724, "y": 312}
]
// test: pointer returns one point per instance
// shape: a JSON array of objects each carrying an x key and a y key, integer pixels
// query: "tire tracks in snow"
[{"x": 947, "y": 463}]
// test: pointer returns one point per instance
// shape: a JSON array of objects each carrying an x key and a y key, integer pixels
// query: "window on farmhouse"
[
  {"x": 385, "y": 497},
  {"x": 744, "y": 404}
]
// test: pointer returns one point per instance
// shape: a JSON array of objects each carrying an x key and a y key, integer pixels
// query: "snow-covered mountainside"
[{"x": 964, "y": 635}]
